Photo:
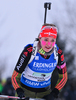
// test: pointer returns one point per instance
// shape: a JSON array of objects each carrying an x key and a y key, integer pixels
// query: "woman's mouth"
[{"x": 47, "y": 47}]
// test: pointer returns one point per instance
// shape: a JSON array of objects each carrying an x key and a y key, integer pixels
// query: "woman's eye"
[
  {"x": 45, "y": 40},
  {"x": 52, "y": 40}
]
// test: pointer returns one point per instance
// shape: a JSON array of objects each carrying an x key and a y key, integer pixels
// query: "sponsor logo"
[
  {"x": 29, "y": 49},
  {"x": 36, "y": 83},
  {"x": 36, "y": 57},
  {"x": 26, "y": 53},
  {"x": 45, "y": 83},
  {"x": 62, "y": 57},
  {"x": 38, "y": 65},
  {"x": 59, "y": 51},
  {"x": 21, "y": 62},
  {"x": 49, "y": 33},
  {"x": 32, "y": 83}
]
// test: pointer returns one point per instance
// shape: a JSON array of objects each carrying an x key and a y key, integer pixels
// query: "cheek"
[
  {"x": 43, "y": 42},
  {"x": 53, "y": 44}
]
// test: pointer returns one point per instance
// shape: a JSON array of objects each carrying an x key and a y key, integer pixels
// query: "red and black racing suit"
[{"x": 22, "y": 63}]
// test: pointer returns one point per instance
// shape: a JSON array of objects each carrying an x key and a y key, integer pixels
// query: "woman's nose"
[{"x": 49, "y": 43}]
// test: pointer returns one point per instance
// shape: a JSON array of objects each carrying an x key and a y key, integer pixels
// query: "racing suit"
[{"x": 35, "y": 78}]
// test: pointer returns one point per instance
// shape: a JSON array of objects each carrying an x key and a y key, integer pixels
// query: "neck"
[{"x": 41, "y": 51}]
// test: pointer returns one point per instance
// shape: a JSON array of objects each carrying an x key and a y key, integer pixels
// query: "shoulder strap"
[
  {"x": 55, "y": 53},
  {"x": 34, "y": 51}
]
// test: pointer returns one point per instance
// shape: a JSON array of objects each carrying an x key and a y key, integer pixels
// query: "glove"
[
  {"x": 20, "y": 93},
  {"x": 55, "y": 92}
]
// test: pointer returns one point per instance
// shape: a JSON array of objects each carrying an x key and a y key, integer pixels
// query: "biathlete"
[{"x": 33, "y": 71}]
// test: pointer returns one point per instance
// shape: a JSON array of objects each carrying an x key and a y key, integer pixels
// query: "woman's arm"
[
  {"x": 20, "y": 66},
  {"x": 62, "y": 70}
]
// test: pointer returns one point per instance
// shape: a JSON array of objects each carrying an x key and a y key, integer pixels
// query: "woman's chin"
[{"x": 47, "y": 50}]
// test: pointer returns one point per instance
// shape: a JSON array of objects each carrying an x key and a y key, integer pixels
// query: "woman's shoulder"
[
  {"x": 28, "y": 48},
  {"x": 59, "y": 49},
  {"x": 28, "y": 45},
  {"x": 61, "y": 59}
]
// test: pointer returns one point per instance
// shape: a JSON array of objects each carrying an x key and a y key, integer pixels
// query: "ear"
[{"x": 55, "y": 40}]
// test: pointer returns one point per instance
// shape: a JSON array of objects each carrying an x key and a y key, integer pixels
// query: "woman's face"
[{"x": 47, "y": 43}]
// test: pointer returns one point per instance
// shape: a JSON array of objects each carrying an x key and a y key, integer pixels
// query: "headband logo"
[{"x": 49, "y": 33}]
